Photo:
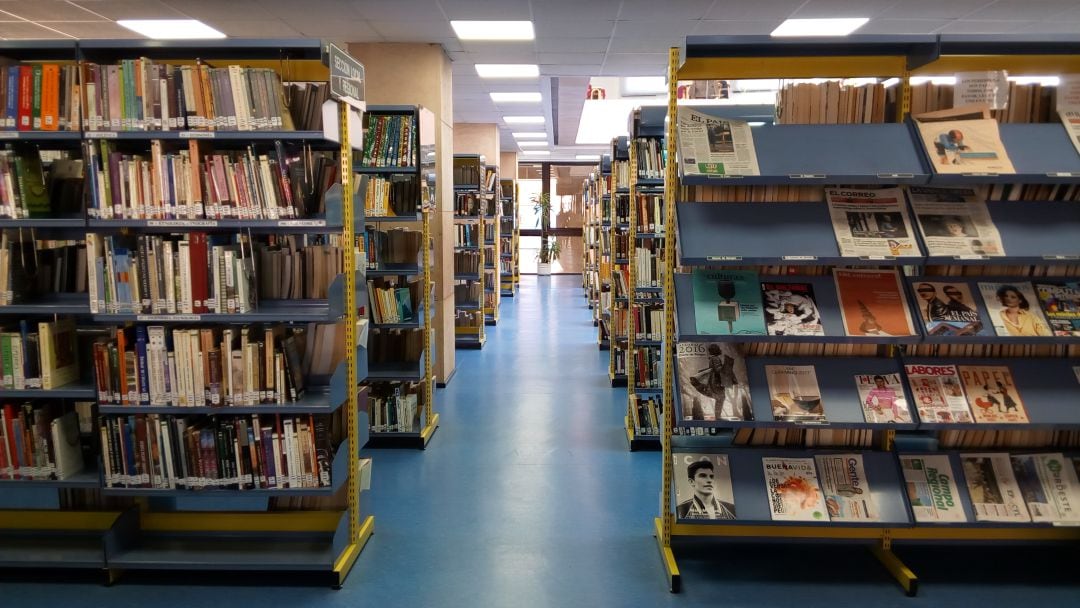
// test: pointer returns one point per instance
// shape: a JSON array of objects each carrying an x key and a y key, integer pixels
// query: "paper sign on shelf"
[{"x": 990, "y": 87}]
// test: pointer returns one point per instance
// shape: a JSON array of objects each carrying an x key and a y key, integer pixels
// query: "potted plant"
[{"x": 549, "y": 245}]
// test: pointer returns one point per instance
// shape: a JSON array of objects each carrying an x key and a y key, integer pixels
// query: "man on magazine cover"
[
  {"x": 932, "y": 307},
  {"x": 703, "y": 504}
]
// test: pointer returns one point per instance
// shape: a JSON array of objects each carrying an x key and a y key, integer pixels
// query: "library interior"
[{"x": 556, "y": 303}]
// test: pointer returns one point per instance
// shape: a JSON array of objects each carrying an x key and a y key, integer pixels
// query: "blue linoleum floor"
[{"x": 527, "y": 496}]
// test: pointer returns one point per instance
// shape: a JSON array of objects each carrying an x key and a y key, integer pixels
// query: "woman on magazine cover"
[{"x": 1016, "y": 314}]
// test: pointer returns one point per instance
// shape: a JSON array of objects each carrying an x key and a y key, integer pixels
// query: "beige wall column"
[
  {"x": 508, "y": 168},
  {"x": 478, "y": 138},
  {"x": 420, "y": 74}
]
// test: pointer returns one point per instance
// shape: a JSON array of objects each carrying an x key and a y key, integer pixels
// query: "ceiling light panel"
[
  {"x": 532, "y": 144},
  {"x": 493, "y": 30},
  {"x": 515, "y": 97},
  {"x": 171, "y": 29},
  {"x": 507, "y": 70},
  {"x": 527, "y": 135},
  {"x": 819, "y": 27},
  {"x": 536, "y": 152},
  {"x": 523, "y": 120}
]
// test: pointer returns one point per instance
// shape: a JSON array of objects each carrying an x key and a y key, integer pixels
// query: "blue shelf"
[
  {"x": 84, "y": 479},
  {"x": 53, "y": 304},
  {"x": 393, "y": 270},
  {"x": 649, "y": 289},
  {"x": 638, "y": 342},
  {"x": 394, "y": 218},
  {"x": 396, "y": 371},
  {"x": 470, "y": 306},
  {"x": 829, "y": 154},
  {"x": 418, "y": 316},
  {"x": 233, "y": 48},
  {"x": 724, "y": 234},
  {"x": 53, "y": 549},
  {"x": 292, "y": 226},
  {"x": 1041, "y": 153},
  {"x": 758, "y": 46},
  {"x": 648, "y": 235},
  {"x": 1032, "y": 233},
  {"x": 75, "y": 390},
  {"x": 648, "y": 391},
  {"x": 45, "y": 223},
  {"x": 269, "y": 311},
  {"x": 242, "y": 137},
  {"x": 466, "y": 277},
  {"x": 827, "y": 303},
  {"x": 358, "y": 168},
  {"x": 42, "y": 137},
  {"x": 650, "y": 182},
  {"x": 466, "y": 248}
]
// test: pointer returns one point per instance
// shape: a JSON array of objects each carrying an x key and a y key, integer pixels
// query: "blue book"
[
  {"x": 141, "y": 362},
  {"x": 728, "y": 302},
  {"x": 11, "y": 109},
  {"x": 404, "y": 301}
]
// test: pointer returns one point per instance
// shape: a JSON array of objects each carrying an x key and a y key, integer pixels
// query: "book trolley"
[
  {"x": 786, "y": 235},
  {"x": 620, "y": 246},
  {"x": 410, "y": 195},
  {"x": 471, "y": 196},
  {"x": 508, "y": 238},
  {"x": 114, "y": 527},
  {"x": 492, "y": 244}
]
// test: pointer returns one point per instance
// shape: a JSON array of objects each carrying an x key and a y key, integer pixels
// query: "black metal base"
[{"x": 449, "y": 377}]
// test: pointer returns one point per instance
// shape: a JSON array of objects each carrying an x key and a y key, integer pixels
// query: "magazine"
[
  {"x": 992, "y": 394},
  {"x": 931, "y": 489},
  {"x": 1070, "y": 119},
  {"x": 1013, "y": 309},
  {"x": 715, "y": 146},
  {"x": 1049, "y": 487},
  {"x": 790, "y": 310},
  {"x": 948, "y": 309},
  {"x": 955, "y": 222},
  {"x": 872, "y": 303},
  {"x": 794, "y": 393},
  {"x": 847, "y": 492},
  {"x": 871, "y": 223},
  {"x": 728, "y": 302},
  {"x": 712, "y": 382},
  {"x": 1061, "y": 304},
  {"x": 882, "y": 398},
  {"x": 793, "y": 490},
  {"x": 938, "y": 394},
  {"x": 995, "y": 496},
  {"x": 702, "y": 486},
  {"x": 963, "y": 140}
]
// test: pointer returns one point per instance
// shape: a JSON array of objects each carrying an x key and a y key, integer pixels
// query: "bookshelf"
[
  {"x": 604, "y": 293},
  {"x": 109, "y": 520},
  {"x": 621, "y": 243},
  {"x": 401, "y": 197},
  {"x": 508, "y": 238},
  {"x": 471, "y": 196},
  {"x": 590, "y": 233},
  {"x": 793, "y": 237},
  {"x": 492, "y": 244}
]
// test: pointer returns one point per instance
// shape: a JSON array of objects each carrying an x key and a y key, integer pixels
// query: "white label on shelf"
[
  {"x": 980, "y": 174},
  {"x": 9, "y": 135},
  {"x": 168, "y": 317},
  {"x": 724, "y": 258},
  {"x": 1061, "y": 257},
  {"x": 1063, "y": 174},
  {"x": 790, "y": 258},
  {"x": 972, "y": 257},
  {"x": 182, "y": 223},
  {"x": 197, "y": 134},
  {"x": 877, "y": 257},
  {"x": 895, "y": 175},
  {"x": 104, "y": 134},
  {"x": 312, "y": 223},
  {"x": 806, "y": 176}
]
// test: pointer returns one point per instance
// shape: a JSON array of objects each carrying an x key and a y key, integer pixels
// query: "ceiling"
[{"x": 574, "y": 38}]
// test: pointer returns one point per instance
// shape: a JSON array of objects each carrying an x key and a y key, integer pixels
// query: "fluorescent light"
[
  {"x": 892, "y": 82},
  {"x": 171, "y": 29},
  {"x": 756, "y": 123},
  {"x": 529, "y": 135},
  {"x": 1046, "y": 81},
  {"x": 819, "y": 27},
  {"x": 537, "y": 152},
  {"x": 603, "y": 119},
  {"x": 932, "y": 79},
  {"x": 507, "y": 70},
  {"x": 532, "y": 144},
  {"x": 493, "y": 30},
  {"x": 587, "y": 157},
  {"x": 524, "y": 120},
  {"x": 515, "y": 97}
]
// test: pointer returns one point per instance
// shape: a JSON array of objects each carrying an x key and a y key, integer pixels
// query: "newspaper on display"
[{"x": 714, "y": 146}]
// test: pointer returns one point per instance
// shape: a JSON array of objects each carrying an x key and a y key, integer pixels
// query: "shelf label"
[
  {"x": 971, "y": 257},
  {"x": 182, "y": 223},
  {"x": 895, "y": 175},
  {"x": 806, "y": 176},
  {"x": 1061, "y": 257},
  {"x": 168, "y": 317},
  {"x": 724, "y": 258},
  {"x": 1063, "y": 174},
  {"x": 869, "y": 258},
  {"x": 799, "y": 258},
  {"x": 346, "y": 77},
  {"x": 980, "y": 174},
  {"x": 103, "y": 134},
  {"x": 301, "y": 223},
  {"x": 9, "y": 135},
  {"x": 197, "y": 135}
]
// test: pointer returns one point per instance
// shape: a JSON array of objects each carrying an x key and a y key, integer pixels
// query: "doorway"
[{"x": 564, "y": 181}]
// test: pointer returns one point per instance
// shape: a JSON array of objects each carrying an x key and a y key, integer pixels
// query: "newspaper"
[
  {"x": 792, "y": 487},
  {"x": 715, "y": 146},
  {"x": 1068, "y": 106},
  {"x": 964, "y": 140},
  {"x": 1049, "y": 486},
  {"x": 955, "y": 222},
  {"x": 1070, "y": 119},
  {"x": 931, "y": 490},
  {"x": 871, "y": 223},
  {"x": 847, "y": 493},
  {"x": 938, "y": 394},
  {"x": 995, "y": 495}
]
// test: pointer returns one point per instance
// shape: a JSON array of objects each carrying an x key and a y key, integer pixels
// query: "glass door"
[{"x": 564, "y": 183}]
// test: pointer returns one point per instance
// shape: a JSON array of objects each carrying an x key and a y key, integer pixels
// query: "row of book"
[
  {"x": 649, "y": 265},
  {"x": 622, "y": 209},
  {"x": 30, "y": 190},
  {"x": 207, "y": 453},
  {"x": 618, "y": 359},
  {"x": 395, "y": 407},
  {"x": 398, "y": 195},
  {"x": 650, "y": 213},
  {"x": 648, "y": 321},
  {"x": 298, "y": 267},
  {"x": 619, "y": 319},
  {"x": 651, "y": 157},
  {"x": 40, "y": 97},
  {"x": 468, "y": 173},
  {"x": 38, "y": 356},
  {"x": 620, "y": 173},
  {"x": 394, "y": 246},
  {"x": 466, "y": 262},
  {"x": 469, "y": 204},
  {"x": 391, "y": 301},
  {"x": 1024, "y": 103},
  {"x": 803, "y": 437},
  {"x": 466, "y": 235},
  {"x": 39, "y": 442},
  {"x": 31, "y": 268},
  {"x": 1025, "y": 439},
  {"x": 646, "y": 412},
  {"x": 1016, "y": 351},
  {"x": 395, "y": 345},
  {"x": 389, "y": 141},
  {"x": 468, "y": 318},
  {"x": 647, "y": 371},
  {"x": 467, "y": 292},
  {"x": 834, "y": 102}
]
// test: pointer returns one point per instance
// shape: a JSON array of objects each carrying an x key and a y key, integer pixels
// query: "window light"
[
  {"x": 507, "y": 70},
  {"x": 493, "y": 30},
  {"x": 820, "y": 27},
  {"x": 171, "y": 29}
]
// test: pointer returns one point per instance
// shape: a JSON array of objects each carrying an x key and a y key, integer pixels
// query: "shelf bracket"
[{"x": 882, "y": 550}]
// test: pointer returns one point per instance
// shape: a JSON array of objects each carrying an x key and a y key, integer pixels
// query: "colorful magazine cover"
[
  {"x": 1014, "y": 309},
  {"x": 948, "y": 309},
  {"x": 992, "y": 394},
  {"x": 790, "y": 310},
  {"x": 794, "y": 393},
  {"x": 728, "y": 302},
  {"x": 702, "y": 486},
  {"x": 712, "y": 381},
  {"x": 955, "y": 222},
  {"x": 872, "y": 303},
  {"x": 1049, "y": 487},
  {"x": 882, "y": 398},
  {"x": 938, "y": 394},
  {"x": 871, "y": 223},
  {"x": 931, "y": 489},
  {"x": 847, "y": 492},
  {"x": 995, "y": 495},
  {"x": 1061, "y": 304},
  {"x": 792, "y": 486},
  {"x": 958, "y": 141}
]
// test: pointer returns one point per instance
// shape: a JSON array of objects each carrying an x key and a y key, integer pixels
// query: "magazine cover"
[
  {"x": 1049, "y": 486},
  {"x": 872, "y": 303},
  {"x": 1061, "y": 304},
  {"x": 938, "y": 394},
  {"x": 702, "y": 486},
  {"x": 790, "y": 310},
  {"x": 793, "y": 490},
  {"x": 955, "y": 222},
  {"x": 995, "y": 496},
  {"x": 847, "y": 492},
  {"x": 931, "y": 489},
  {"x": 882, "y": 398},
  {"x": 728, "y": 302},
  {"x": 709, "y": 145},
  {"x": 992, "y": 395},
  {"x": 1014, "y": 309},
  {"x": 712, "y": 381},
  {"x": 794, "y": 393},
  {"x": 871, "y": 222},
  {"x": 948, "y": 309},
  {"x": 958, "y": 144}
]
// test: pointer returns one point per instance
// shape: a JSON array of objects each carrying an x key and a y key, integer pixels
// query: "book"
[
  {"x": 961, "y": 141},
  {"x": 948, "y": 309},
  {"x": 931, "y": 488},
  {"x": 712, "y": 380},
  {"x": 872, "y": 303},
  {"x": 792, "y": 486},
  {"x": 702, "y": 486},
  {"x": 1012, "y": 309},
  {"x": 1060, "y": 303},
  {"x": 955, "y": 222},
  {"x": 882, "y": 398},
  {"x": 1049, "y": 486},
  {"x": 728, "y": 302},
  {"x": 846, "y": 490},
  {"x": 871, "y": 223},
  {"x": 938, "y": 393},
  {"x": 794, "y": 393},
  {"x": 992, "y": 394},
  {"x": 992, "y": 487},
  {"x": 790, "y": 310}
]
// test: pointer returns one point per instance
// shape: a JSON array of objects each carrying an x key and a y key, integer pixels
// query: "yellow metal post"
[
  {"x": 429, "y": 397},
  {"x": 349, "y": 236},
  {"x": 631, "y": 237}
]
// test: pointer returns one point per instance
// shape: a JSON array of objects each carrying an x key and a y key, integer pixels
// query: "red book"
[
  {"x": 26, "y": 98},
  {"x": 9, "y": 429},
  {"x": 199, "y": 288}
]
